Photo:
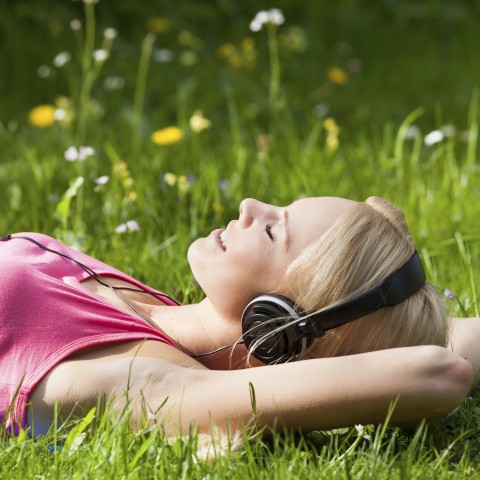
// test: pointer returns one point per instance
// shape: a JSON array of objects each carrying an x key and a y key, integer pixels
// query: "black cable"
[{"x": 96, "y": 276}]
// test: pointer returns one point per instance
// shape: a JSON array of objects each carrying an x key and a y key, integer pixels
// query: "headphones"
[{"x": 275, "y": 331}]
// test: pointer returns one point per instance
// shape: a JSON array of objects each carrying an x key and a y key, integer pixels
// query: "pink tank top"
[{"x": 46, "y": 315}]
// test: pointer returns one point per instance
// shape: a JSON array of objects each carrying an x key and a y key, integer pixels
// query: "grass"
[{"x": 410, "y": 64}]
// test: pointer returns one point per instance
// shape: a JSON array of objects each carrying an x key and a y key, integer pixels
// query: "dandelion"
[
  {"x": 274, "y": 16},
  {"x": 42, "y": 116},
  {"x": 433, "y": 137},
  {"x": 61, "y": 59},
  {"x": 170, "y": 179},
  {"x": 75, "y": 25},
  {"x": 80, "y": 154},
  {"x": 44, "y": 71},
  {"x": 337, "y": 76},
  {"x": 163, "y": 55},
  {"x": 167, "y": 136},
  {"x": 448, "y": 293},
  {"x": 100, "y": 55},
  {"x": 129, "y": 226},
  {"x": 198, "y": 122},
  {"x": 110, "y": 33}
]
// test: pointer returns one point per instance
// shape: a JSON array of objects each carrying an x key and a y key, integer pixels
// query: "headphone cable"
[{"x": 103, "y": 281}]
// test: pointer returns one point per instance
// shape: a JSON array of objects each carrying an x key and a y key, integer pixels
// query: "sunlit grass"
[{"x": 192, "y": 121}]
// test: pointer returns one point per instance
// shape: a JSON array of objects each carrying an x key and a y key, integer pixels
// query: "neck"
[{"x": 199, "y": 328}]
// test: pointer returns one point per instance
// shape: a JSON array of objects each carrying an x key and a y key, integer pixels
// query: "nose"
[{"x": 250, "y": 209}]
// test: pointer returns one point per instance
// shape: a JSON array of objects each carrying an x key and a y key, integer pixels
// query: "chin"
[{"x": 194, "y": 258}]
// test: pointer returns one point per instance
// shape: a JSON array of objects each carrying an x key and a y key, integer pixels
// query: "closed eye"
[{"x": 268, "y": 229}]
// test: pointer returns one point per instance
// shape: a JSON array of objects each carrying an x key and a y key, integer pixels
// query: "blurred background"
[{"x": 360, "y": 61}]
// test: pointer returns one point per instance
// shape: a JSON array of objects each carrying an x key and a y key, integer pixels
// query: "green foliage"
[{"x": 337, "y": 101}]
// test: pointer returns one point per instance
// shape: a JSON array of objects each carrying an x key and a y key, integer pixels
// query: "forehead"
[{"x": 309, "y": 218}]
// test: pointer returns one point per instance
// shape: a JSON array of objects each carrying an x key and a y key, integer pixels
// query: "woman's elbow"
[{"x": 449, "y": 377}]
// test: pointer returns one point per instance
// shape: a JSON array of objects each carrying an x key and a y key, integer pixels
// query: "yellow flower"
[
  {"x": 166, "y": 136},
  {"x": 170, "y": 179},
  {"x": 42, "y": 116},
  {"x": 198, "y": 122},
  {"x": 217, "y": 207},
  {"x": 337, "y": 76},
  {"x": 183, "y": 184},
  {"x": 333, "y": 130},
  {"x": 248, "y": 44},
  {"x": 226, "y": 49},
  {"x": 158, "y": 25},
  {"x": 331, "y": 126}
]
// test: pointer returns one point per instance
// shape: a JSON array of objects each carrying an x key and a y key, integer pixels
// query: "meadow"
[{"x": 127, "y": 130}]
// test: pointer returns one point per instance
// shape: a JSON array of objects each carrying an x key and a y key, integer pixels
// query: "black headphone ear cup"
[{"x": 266, "y": 330}]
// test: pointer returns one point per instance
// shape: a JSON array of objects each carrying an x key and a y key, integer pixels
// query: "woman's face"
[{"x": 250, "y": 256}]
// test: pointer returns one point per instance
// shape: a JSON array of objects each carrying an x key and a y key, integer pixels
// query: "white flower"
[
  {"x": 72, "y": 154},
  {"x": 433, "y": 137},
  {"x": 163, "y": 55},
  {"x": 198, "y": 122},
  {"x": 75, "y": 24},
  {"x": 110, "y": 33},
  {"x": 130, "y": 226},
  {"x": 113, "y": 82},
  {"x": 90, "y": 2},
  {"x": 62, "y": 59},
  {"x": 44, "y": 71},
  {"x": 448, "y": 130},
  {"x": 59, "y": 114},
  {"x": 361, "y": 431},
  {"x": 273, "y": 16},
  {"x": 102, "y": 180},
  {"x": 412, "y": 132},
  {"x": 321, "y": 110},
  {"x": 100, "y": 55}
]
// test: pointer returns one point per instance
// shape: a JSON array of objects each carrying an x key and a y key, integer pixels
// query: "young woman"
[{"x": 74, "y": 330}]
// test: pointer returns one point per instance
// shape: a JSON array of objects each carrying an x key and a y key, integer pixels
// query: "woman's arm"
[
  {"x": 465, "y": 341},
  {"x": 333, "y": 392},
  {"x": 314, "y": 394}
]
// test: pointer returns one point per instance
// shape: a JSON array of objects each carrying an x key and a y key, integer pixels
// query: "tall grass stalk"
[{"x": 140, "y": 91}]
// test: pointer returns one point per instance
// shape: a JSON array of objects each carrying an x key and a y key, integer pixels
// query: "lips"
[{"x": 217, "y": 237}]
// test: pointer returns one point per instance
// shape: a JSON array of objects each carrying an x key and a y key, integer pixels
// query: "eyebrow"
[{"x": 286, "y": 243}]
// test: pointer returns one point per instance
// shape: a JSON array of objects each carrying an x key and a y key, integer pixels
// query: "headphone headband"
[
  {"x": 394, "y": 289},
  {"x": 274, "y": 330}
]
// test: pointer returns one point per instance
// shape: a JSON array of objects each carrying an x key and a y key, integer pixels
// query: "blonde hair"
[{"x": 362, "y": 247}]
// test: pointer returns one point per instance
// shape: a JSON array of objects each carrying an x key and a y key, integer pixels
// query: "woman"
[{"x": 69, "y": 338}]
